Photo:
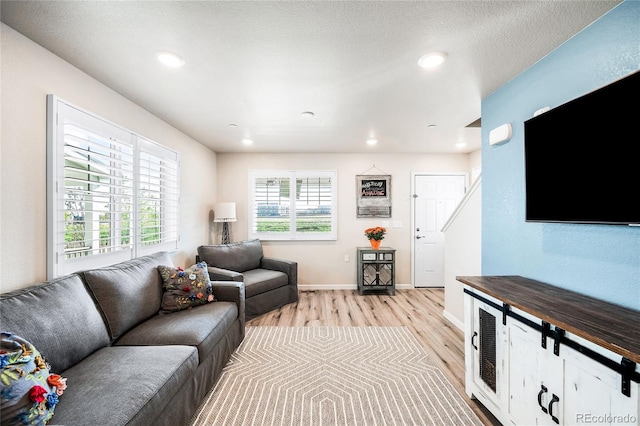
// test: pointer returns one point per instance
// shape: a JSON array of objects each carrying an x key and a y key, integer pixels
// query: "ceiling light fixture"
[
  {"x": 233, "y": 125},
  {"x": 372, "y": 141},
  {"x": 307, "y": 114},
  {"x": 170, "y": 59},
  {"x": 432, "y": 60},
  {"x": 431, "y": 126},
  {"x": 247, "y": 141}
]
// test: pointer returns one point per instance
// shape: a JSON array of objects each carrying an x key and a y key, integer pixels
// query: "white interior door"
[{"x": 436, "y": 197}]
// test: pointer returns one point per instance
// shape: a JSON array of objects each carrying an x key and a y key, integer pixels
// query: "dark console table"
[{"x": 376, "y": 270}]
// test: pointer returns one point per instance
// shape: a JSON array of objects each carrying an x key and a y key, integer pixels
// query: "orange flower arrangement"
[{"x": 376, "y": 233}]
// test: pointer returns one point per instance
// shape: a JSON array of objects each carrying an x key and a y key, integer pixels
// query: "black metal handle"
[
  {"x": 554, "y": 399},
  {"x": 543, "y": 389},
  {"x": 475, "y": 334}
]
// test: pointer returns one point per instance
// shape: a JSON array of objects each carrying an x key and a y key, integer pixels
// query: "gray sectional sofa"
[
  {"x": 270, "y": 283},
  {"x": 126, "y": 363}
]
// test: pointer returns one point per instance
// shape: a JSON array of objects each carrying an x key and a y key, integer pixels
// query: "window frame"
[
  {"x": 292, "y": 234},
  {"x": 112, "y": 137}
]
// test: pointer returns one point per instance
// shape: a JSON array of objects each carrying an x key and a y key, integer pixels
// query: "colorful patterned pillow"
[
  {"x": 185, "y": 288},
  {"x": 29, "y": 391}
]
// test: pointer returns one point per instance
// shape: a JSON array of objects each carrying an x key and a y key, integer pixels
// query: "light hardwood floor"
[{"x": 420, "y": 310}]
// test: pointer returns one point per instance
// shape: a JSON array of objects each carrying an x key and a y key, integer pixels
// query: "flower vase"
[{"x": 375, "y": 244}]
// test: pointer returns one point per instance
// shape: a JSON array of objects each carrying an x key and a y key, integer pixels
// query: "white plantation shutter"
[
  {"x": 272, "y": 205},
  {"x": 96, "y": 176},
  {"x": 314, "y": 203},
  {"x": 158, "y": 198},
  {"x": 292, "y": 205}
]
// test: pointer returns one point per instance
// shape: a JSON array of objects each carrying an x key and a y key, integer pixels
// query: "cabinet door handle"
[
  {"x": 554, "y": 399},
  {"x": 475, "y": 334},
  {"x": 543, "y": 389}
]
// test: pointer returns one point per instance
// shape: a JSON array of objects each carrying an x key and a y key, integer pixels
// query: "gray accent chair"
[{"x": 269, "y": 283}]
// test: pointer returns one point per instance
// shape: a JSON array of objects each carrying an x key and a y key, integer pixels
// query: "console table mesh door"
[{"x": 376, "y": 270}]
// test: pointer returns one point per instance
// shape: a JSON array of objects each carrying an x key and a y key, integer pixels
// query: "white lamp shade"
[{"x": 224, "y": 212}]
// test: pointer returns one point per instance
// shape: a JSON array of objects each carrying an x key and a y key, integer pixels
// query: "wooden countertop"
[{"x": 608, "y": 325}]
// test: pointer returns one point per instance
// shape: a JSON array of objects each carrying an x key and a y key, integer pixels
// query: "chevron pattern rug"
[{"x": 332, "y": 376}]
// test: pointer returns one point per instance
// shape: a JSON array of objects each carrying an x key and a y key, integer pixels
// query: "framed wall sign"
[{"x": 373, "y": 193}]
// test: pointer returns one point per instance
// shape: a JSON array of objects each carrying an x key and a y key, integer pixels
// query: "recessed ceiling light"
[
  {"x": 372, "y": 141},
  {"x": 170, "y": 59},
  {"x": 307, "y": 114},
  {"x": 461, "y": 145},
  {"x": 431, "y": 126},
  {"x": 233, "y": 125},
  {"x": 432, "y": 59},
  {"x": 247, "y": 141}
]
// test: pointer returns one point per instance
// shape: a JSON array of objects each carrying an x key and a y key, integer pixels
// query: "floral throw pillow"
[
  {"x": 29, "y": 391},
  {"x": 185, "y": 288}
]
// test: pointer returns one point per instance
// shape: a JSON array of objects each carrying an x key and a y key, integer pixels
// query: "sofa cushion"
[
  {"x": 30, "y": 392},
  {"x": 202, "y": 327},
  {"x": 58, "y": 317},
  {"x": 241, "y": 256},
  {"x": 128, "y": 292},
  {"x": 125, "y": 384},
  {"x": 185, "y": 288},
  {"x": 259, "y": 281}
]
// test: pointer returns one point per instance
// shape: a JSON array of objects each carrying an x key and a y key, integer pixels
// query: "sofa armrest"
[
  {"x": 289, "y": 267},
  {"x": 219, "y": 274},
  {"x": 230, "y": 291}
]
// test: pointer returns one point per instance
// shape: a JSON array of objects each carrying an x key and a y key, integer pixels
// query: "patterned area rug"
[{"x": 332, "y": 376}]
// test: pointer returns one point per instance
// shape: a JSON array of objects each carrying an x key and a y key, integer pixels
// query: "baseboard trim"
[
  {"x": 453, "y": 320},
  {"x": 316, "y": 287}
]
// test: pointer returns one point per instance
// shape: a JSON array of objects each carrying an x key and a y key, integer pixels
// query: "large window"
[
  {"x": 292, "y": 205},
  {"x": 112, "y": 195}
]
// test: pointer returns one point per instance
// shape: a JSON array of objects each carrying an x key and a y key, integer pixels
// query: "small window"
[
  {"x": 112, "y": 195},
  {"x": 292, "y": 205}
]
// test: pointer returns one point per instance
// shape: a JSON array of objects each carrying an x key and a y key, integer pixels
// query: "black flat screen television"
[{"x": 582, "y": 158}]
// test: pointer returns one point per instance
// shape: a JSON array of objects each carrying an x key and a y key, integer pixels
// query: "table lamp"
[{"x": 225, "y": 213}]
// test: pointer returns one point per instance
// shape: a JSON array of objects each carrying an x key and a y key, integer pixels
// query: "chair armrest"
[
  {"x": 231, "y": 291},
  {"x": 289, "y": 267},
  {"x": 219, "y": 274}
]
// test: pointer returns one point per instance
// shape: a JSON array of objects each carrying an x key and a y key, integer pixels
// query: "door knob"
[{"x": 418, "y": 237}]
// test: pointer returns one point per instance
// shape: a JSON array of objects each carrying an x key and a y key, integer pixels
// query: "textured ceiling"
[{"x": 259, "y": 64}]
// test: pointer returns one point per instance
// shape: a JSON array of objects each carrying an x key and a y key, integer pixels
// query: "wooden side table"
[{"x": 376, "y": 270}]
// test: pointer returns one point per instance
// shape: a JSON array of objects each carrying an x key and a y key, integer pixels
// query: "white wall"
[
  {"x": 29, "y": 73},
  {"x": 321, "y": 263},
  {"x": 463, "y": 251},
  {"x": 475, "y": 165}
]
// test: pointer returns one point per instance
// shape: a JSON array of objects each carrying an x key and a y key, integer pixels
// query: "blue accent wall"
[{"x": 601, "y": 261}]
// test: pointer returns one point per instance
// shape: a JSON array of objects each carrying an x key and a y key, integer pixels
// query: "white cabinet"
[
  {"x": 535, "y": 378},
  {"x": 525, "y": 368},
  {"x": 524, "y": 378},
  {"x": 485, "y": 349},
  {"x": 592, "y": 393}
]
